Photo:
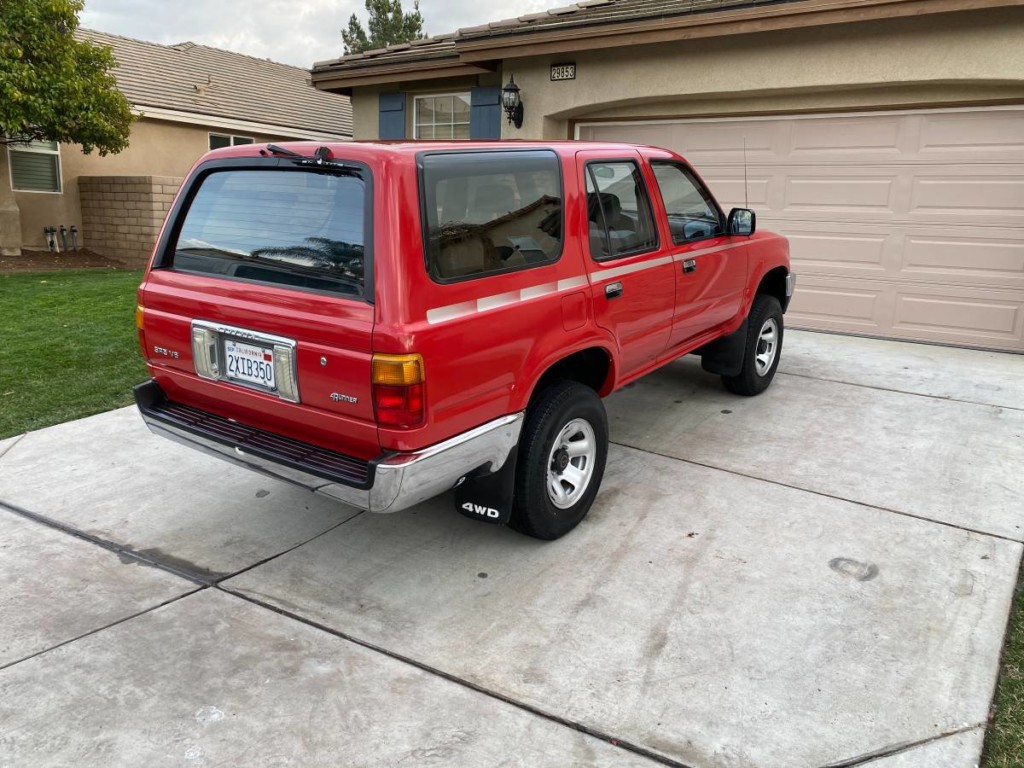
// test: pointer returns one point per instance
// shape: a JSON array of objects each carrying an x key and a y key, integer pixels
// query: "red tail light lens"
[{"x": 398, "y": 390}]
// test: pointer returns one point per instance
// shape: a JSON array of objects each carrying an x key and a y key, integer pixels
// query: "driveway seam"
[
  {"x": 897, "y": 749},
  {"x": 122, "y": 550},
  {"x": 14, "y": 441},
  {"x": 823, "y": 494},
  {"x": 901, "y": 391},
  {"x": 84, "y": 635},
  {"x": 118, "y": 549},
  {"x": 580, "y": 727}
]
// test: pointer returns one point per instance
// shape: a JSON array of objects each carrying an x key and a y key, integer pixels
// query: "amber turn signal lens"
[
  {"x": 139, "y": 310},
  {"x": 397, "y": 370}
]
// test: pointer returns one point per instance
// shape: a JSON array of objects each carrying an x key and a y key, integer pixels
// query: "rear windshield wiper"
[{"x": 323, "y": 157}]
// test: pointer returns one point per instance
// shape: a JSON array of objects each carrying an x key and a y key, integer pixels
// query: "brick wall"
[{"x": 122, "y": 215}]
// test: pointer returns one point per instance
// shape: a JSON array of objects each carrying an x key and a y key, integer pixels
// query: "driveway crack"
[
  {"x": 14, "y": 441},
  {"x": 896, "y": 749}
]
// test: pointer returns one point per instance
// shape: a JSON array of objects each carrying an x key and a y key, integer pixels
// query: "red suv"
[{"x": 382, "y": 323}]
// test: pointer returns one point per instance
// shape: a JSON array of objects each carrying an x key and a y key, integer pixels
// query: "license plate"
[{"x": 250, "y": 363}]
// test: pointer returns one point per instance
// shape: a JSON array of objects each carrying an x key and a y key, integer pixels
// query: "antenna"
[{"x": 746, "y": 194}]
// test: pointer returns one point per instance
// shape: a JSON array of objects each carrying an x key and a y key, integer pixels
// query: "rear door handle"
[
  {"x": 613, "y": 290},
  {"x": 690, "y": 265}
]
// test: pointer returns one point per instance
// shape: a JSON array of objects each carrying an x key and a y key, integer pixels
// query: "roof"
[
  {"x": 588, "y": 13},
  {"x": 597, "y": 24},
  {"x": 209, "y": 81}
]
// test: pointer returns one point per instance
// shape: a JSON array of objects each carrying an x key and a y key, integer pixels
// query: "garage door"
[{"x": 905, "y": 225}]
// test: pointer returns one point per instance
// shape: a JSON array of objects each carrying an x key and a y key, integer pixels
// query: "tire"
[
  {"x": 547, "y": 504},
  {"x": 763, "y": 348}
]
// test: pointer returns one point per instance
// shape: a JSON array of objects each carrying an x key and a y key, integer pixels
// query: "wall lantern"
[{"x": 512, "y": 103}]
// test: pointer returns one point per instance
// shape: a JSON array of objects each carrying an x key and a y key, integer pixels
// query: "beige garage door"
[{"x": 904, "y": 225}]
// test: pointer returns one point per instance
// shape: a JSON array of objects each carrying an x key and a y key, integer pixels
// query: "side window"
[
  {"x": 488, "y": 212},
  {"x": 618, "y": 210},
  {"x": 692, "y": 212}
]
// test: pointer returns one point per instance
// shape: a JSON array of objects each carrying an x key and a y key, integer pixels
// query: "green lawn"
[
  {"x": 68, "y": 349},
  {"x": 68, "y": 346},
  {"x": 1005, "y": 745}
]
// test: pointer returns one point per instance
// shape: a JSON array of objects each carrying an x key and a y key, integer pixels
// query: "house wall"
[
  {"x": 156, "y": 148},
  {"x": 951, "y": 59},
  {"x": 960, "y": 58},
  {"x": 10, "y": 218}
]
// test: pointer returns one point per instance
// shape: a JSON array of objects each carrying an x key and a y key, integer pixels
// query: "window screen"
[
  {"x": 618, "y": 211},
  {"x": 692, "y": 212},
  {"x": 296, "y": 228},
  {"x": 488, "y": 212}
]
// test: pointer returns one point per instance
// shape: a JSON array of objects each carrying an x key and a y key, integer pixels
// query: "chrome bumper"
[
  {"x": 790, "y": 284},
  {"x": 395, "y": 481}
]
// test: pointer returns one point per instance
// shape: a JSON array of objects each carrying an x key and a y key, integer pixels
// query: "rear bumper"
[
  {"x": 389, "y": 483},
  {"x": 790, "y": 287}
]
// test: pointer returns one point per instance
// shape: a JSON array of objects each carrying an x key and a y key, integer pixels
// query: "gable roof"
[{"x": 207, "y": 81}]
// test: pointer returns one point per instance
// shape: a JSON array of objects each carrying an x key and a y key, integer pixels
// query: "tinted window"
[
  {"x": 618, "y": 211},
  {"x": 692, "y": 212},
  {"x": 488, "y": 212},
  {"x": 296, "y": 228}
]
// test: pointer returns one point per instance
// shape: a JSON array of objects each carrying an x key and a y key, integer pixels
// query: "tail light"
[{"x": 398, "y": 383}]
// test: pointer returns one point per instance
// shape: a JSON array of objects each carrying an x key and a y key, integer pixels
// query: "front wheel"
[
  {"x": 763, "y": 348},
  {"x": 562, "y": 454}
]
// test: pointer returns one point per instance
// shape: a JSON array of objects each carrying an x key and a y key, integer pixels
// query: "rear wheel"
[
  {"x": 562, "y": 453},
  {"x": 763, "y": 348}
]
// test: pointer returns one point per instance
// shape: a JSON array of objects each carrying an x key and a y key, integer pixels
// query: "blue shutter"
[
  {"x": 392, "y": 116},
  {"x": 485, "y": 112}
]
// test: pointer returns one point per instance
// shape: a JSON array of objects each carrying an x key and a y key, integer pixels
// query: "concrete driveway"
[{"x": 819, "y": 576}]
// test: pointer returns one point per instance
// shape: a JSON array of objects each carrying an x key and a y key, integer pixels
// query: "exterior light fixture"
[{"x": 512, "y": 103}]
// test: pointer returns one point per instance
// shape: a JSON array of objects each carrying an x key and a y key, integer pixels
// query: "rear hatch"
[{"x": 259, "y": 304}]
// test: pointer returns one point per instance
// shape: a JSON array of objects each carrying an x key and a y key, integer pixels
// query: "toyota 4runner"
[{"x": 382, "y": 323}]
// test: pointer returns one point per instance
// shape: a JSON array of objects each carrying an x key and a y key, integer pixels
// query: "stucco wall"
[
  {"x": 157, "y": 148},
  {"x": 955, "y": 58},
  {"x": 10, "y": 219},
  {"x": 958, "y": 58}
]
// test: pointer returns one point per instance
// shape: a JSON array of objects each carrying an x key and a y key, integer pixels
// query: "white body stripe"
[{"x": 455, "y": 311}]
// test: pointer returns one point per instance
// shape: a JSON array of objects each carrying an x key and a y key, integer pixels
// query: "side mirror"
[{"x": 742, "y": 221}]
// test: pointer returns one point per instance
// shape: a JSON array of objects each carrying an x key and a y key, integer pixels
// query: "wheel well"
[
  {"x": 774, "y": 284},
  {"x": 591, "y": 367}
]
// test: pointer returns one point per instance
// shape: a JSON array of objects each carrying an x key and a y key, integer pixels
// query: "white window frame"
[
  {"x": 37, "y": 150},
  {"x": 415, "y": 112},
  {"x": 231, "y": 138}
]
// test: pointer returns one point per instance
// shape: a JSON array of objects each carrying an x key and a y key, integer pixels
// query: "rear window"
[
  {"x": 489, "y": 212},
  {"x": 301, "y": 229}
]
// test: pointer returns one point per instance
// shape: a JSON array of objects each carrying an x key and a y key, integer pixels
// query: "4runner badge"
[
  {"x": 481, "y": 510},
  {"x": 340, "y": 398}
]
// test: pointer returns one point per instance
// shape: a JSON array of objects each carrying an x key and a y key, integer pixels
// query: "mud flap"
[
  {"x": 487, "y": 496},
  {"x": 724, "y": 356}
]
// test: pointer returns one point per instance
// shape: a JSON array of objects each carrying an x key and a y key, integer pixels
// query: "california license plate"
[{"x": 250, "y": 363}]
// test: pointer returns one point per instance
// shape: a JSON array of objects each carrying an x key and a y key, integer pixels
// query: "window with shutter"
[{"x": 35, "y": 166}]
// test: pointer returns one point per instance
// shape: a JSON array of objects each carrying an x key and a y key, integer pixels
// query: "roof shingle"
[{"x": 209, "y": 81}]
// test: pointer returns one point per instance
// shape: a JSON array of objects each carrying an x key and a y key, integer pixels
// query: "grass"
[
  {"x": 1004, "y": 746},
  {"x": 68, "y": 349},
  {"x": 68, "y": 346}
]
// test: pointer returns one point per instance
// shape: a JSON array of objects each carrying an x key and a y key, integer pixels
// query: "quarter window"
[
  {"x": 442, "y": 117},
  {"x": 488, "y": 212},
  {"x": 692, "y": 212},
  {"x": 221, "y": 140},
  {"x": 35, "y": 166},
  {"x": 297, "y": 229},
  {"x": 618, "y": 211}
]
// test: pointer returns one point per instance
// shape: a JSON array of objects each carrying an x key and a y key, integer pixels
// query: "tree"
[
  {"x": 54, "y": 87},
  {"x": 388, "y": 25}
]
